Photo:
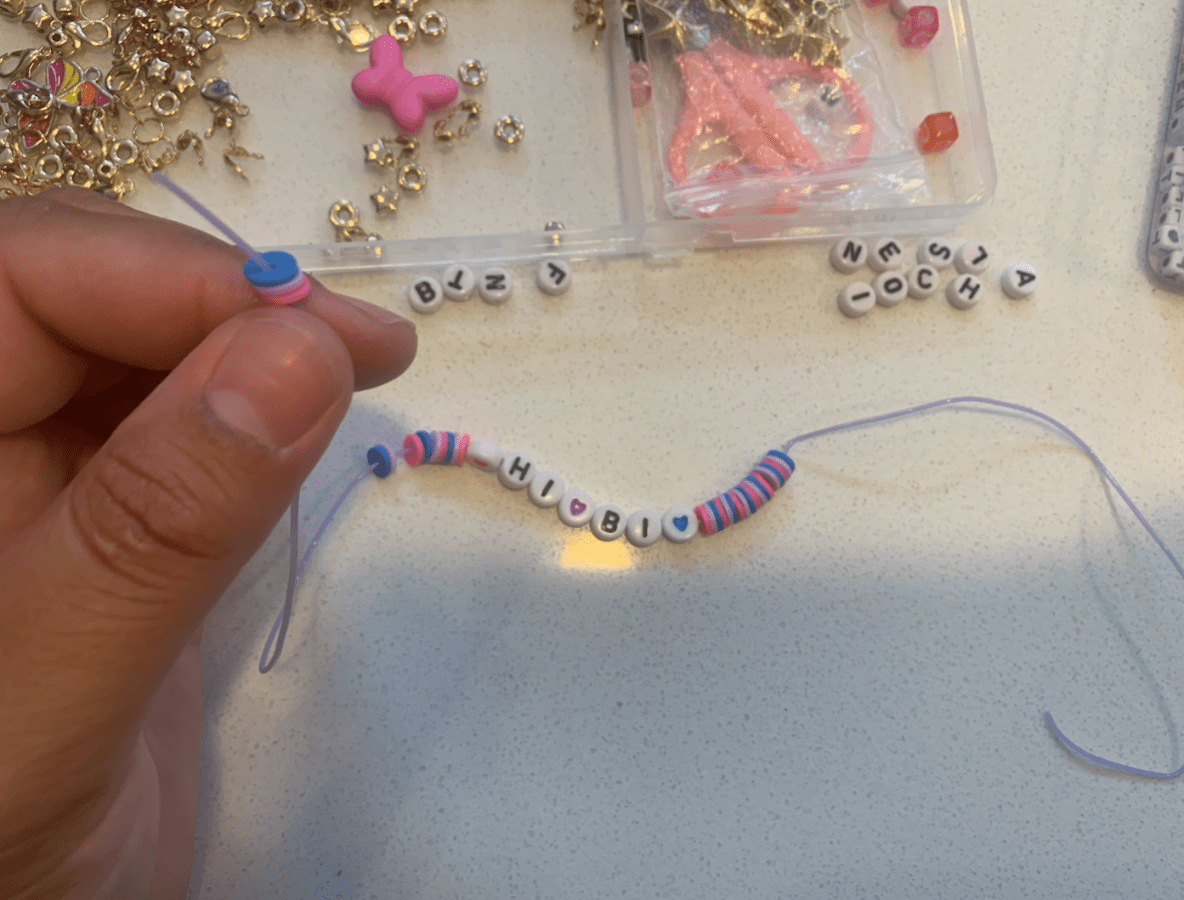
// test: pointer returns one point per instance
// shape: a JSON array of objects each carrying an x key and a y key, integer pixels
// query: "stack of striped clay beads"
[
  {"x": 576, "y": 508},
  {"x": 281, "y": 285}
]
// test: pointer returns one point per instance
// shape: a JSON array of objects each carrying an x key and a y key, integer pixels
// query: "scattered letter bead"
[
  {"x": 936, "y": 252},
  {"x": 923, "y": 282},
  {"x": 554, "y": 276},
  {"x": 919, "y": 26},
  {"x": 890, "y": 288},
  {"x": 937, "y": 133},
  {"x": 425, "y": 295},
  {"x": 886, "y": 254},
  {"x": 848, "y": 254},
  {"x": 972, "y": 258},
  {"x": 459, "y": 282},
  {"x": 546, "y": 489},
  {"x": 679, "y": 524},
  {"x": 1018, "y": 281},
  {"x": 484, "y": 455},
  {"x": 608, "y": 522},
  {"x": 495, "y": 286},
  {"x": 857, "y": 299},
  {"x": 1172, "y": 267},
  {"x": 1167, "y": 238},
  {"x": 515, "y": 470},
  {"x": 963, "y": 292},
  {"x": 575, "y": 509},
  {"x": 643, "y": 529}
]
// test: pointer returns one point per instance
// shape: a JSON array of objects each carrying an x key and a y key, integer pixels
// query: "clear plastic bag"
[{"x": 769, "y": 107}]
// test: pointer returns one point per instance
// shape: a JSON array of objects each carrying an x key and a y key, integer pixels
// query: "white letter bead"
[
  {"x": 890, "y": 288},
  {"x": 425, "y": 295},
  {"x": 886, "y": 254},
  {"x": 963, "y": 292},
  {"x": 515, "y": 471},
  {"x": 936, "y": 252},
  {"x": 495, "y": 286},
  {"x": 644, "y": 528},
  {"x": 1172, "y": 267},
  {"x": 1173, "y": 175},
  {"x": 484, "y": 455},
  {"x": 1018, "y": 281},
  {"x": 554, "y": 276},
  {"x": 923, "y": 281},
  {"x": 1174, "y": 156},
  {"x": 459, "y": 282},
  {"x": 857, "y": 299},
  {"x": 546, "y": 489},
  {"x": 608, "y": 522},
  {"x": 575, "y": 509},
  {"x": 679, "y": 524},
  {"x": 1167, "y": 238},
  {"x": 972, "y": 258},
  {"x": 848, "y": 254}
]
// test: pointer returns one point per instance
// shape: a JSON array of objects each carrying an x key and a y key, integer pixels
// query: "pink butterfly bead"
[{"x": 407, "y": 97}]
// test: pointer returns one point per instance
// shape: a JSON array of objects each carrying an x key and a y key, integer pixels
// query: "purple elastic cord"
[
  {"x": 280, "y": 629},
  {"x": 1093, "y": 457},
  {"x": 205, "y": 212}
]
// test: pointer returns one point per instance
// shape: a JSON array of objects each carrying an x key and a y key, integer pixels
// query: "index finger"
[{"x": 83, "y": 278}]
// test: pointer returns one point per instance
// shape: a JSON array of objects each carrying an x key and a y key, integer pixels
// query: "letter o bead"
[{"x": 890, "y": 288}]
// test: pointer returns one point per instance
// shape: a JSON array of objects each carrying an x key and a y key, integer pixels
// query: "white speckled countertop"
[{"x": 840, "y": 698}]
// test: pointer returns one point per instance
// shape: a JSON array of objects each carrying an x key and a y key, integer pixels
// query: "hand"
[{"x": 155, "y": 422}]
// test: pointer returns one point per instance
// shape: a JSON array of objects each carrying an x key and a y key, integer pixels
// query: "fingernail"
[{"x": 274, "y": 382}]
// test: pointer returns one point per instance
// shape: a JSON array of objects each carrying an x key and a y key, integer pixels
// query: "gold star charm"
[
  {"x": 385, "y": 201},
  {"x": 263, "y": 13},
  {"x": 377, "y": 154},
  {"x": 183, "y": 81}
]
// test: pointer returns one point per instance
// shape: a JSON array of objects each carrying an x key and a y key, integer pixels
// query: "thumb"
[{"x": 101, "y": 592}]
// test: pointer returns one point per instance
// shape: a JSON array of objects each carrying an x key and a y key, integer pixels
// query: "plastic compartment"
[{"x": 589, "y": 159}]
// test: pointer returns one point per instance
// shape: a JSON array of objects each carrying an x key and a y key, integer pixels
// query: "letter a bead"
[{"x": 1018, "y": 281}]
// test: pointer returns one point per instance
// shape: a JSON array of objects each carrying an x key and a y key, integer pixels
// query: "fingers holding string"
[{"x": 140, "y": 291}]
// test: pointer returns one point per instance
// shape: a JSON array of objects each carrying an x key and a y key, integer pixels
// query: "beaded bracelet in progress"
[{"x": 678, "y": 524}]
